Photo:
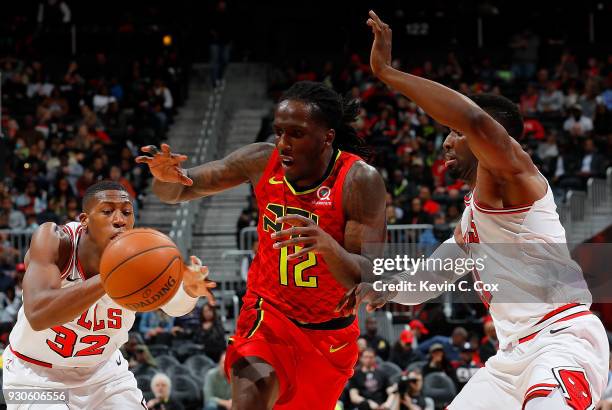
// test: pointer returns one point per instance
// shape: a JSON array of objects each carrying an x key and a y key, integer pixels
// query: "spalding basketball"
[{"x": 141, "y": 269}]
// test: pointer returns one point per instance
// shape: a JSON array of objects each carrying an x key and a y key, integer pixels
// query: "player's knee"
[
  {"x": 254, "y": 384},
  {"x": 554, "y": 401}
]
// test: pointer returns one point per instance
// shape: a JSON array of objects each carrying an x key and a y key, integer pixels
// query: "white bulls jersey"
[
  {"x": 525, "y": 252},
  {"x": 88, "y": 340}
]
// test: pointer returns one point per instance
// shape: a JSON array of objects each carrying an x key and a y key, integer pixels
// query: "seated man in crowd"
[
  {"x": 368, "y": 388},
  {"x": 376, "y": 342},
  {"x": 402, "y": 353},
  {"x": 408, "y": 393}
]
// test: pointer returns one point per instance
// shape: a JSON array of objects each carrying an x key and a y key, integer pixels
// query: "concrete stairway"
[
  {"x": 156, "y": 214},
  {"x": 215, "y": 230}
]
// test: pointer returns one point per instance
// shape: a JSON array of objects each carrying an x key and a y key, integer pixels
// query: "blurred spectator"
[
  {"x": 221, "y": 40},
  {"x": 115, "y": 175},
  {"x": 577, "y": 125},
  {"x": 156, "y": 326},
  {"x": 362, "y": 344},
  {"x": 402, "y": 353},
  {"x": 550, "y": 102},
  {"x": 409, "y": 394},
  {"x": 418, "y": 330},
  {"x": 466, "y": 367},
  {"x": 525, "y": 57},
  {"x": 11, "y": 298},
  {"x": 368, "y": 386},
  {"x": 432, "y": 237},
  {"x": 10, "y": 217},
  {"x": 376, "y": 342},
  {"x": 217, "y": 390},
  {"x": 437, "y": 361},
  {"x": 210, "y": 333},
  {"x": 53, "y": 12},
  {"x": 451, "y": 344},
  {"x": 416, "y": 214},
  {"x": 489, "y": 343},
  {"x": 145, "y": 363},
  {"x": 593, "y": 163},
  {"x": 161, "y": 386},
  {"x": 32, "y": 200},
  {"x": 8, "y": 257},
  {"x": 129, "y": 348},
  {"x": 186, "y": 325},
  {"x": 429, "y": 205},
  {"x": 529, "y": 100}
]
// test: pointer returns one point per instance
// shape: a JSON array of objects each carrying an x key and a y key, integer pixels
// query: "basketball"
[{"x": 141, "y": 269}]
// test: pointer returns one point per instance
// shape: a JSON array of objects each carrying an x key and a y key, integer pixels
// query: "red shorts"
[{"x": 312, "y": 365}]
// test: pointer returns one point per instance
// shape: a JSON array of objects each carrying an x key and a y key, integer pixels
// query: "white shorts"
[
  {"x": 574, "y": 360},
  {"x": 109, "y": 385}
]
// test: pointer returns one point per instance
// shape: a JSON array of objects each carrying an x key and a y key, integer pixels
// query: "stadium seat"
[
  {"x": 185, "y": 350},
  {"x": 144, "y": 383},
  {"x": 440, "y": 388},
  {"x": 177, "y": 370},
  {"x": 185, "y": 389},
  {"x": 199, "y": 365},
  {"x": 395, "y": 378},
  {"x": 165, "y": 361},
  {"x": 158, "y": 350},
  {"x": 416, "y": 365},
  {"x": 390, "y": 369}
]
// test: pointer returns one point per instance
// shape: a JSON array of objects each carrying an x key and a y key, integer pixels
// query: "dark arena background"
[{"x": 84, "y": 85}]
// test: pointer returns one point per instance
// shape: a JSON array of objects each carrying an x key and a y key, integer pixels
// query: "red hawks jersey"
[
  {"x": 85, "y": 341},
  {"x": 304, "y": 288}
]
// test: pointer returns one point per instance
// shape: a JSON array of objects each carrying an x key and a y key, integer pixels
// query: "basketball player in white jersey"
[
  {"x": 68, "y": 331},
  {"x": 553, "y": 350}
]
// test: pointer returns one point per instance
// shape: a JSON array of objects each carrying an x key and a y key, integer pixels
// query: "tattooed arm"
[{"x": 173, "y": 184}]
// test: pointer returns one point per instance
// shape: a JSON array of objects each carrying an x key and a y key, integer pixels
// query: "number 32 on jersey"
[{"x": 298, "y": 269}]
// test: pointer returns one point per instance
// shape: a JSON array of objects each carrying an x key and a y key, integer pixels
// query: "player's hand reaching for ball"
[
  {"x": 196, "y": 282},
  {"x": 363, "y": 293},
  {"x": 380, "y": 56},
  {"x": 304, "y": 232},
  {"x": 164, "y": 165}
]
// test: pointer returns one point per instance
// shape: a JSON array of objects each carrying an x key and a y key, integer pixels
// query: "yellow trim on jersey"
[
  {"x": 260, "y": 316},
  {"x": 308, "y": 191}
]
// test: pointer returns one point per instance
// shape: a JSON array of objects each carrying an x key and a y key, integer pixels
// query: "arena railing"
[
  {"x": 18, "y": 239},
  {"x": 207, "y": 143}
]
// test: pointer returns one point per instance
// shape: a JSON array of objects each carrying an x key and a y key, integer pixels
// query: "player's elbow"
[{"x": 35, "y": 318}]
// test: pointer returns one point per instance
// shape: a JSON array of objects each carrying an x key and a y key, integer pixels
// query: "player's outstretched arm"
[
  {"x": 173, "y": 183},
  {"x": 495, "y": 149},
  {"x": 432, "y": 272},
  {"x": 46, "y": 303}
]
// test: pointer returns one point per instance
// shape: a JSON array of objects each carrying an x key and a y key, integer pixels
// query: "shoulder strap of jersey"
[
  {"x": 268, "y": 171},
  {"x": 72, "y": 235}
]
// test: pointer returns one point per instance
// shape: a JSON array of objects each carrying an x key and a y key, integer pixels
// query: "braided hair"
[{"x": 334, "y": 111}]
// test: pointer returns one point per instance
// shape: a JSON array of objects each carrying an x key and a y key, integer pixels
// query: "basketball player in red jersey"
[{"x": 318, "y": 204}]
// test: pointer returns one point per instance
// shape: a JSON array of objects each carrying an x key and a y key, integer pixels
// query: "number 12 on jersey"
[{"x": 299, "y": 268}]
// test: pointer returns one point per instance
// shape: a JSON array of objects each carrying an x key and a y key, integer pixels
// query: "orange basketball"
[{"x": 141, "y": 269}]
